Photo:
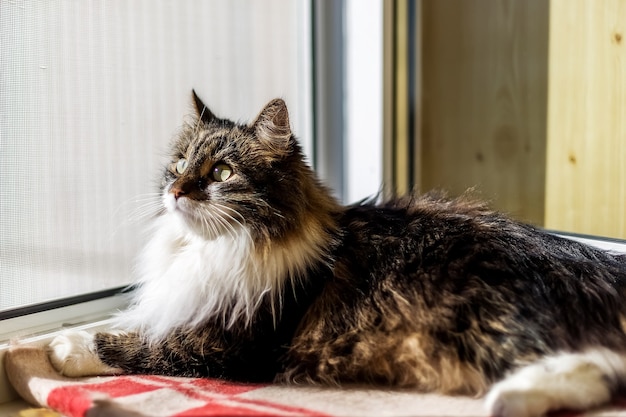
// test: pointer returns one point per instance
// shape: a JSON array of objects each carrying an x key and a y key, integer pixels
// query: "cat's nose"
[{"x": 178, "y": 192}]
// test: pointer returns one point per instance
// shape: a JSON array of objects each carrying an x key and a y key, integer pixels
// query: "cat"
[{"x": 255, "y": 272}]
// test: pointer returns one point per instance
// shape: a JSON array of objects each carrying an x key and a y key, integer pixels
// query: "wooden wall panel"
[
  {"x": 586, "y": 154},
  {"x": 402, "y": 94},
  {"x": 484, "y": 83}
]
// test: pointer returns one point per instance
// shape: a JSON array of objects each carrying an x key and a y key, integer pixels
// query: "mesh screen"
[{"x": 91, "y": 92}]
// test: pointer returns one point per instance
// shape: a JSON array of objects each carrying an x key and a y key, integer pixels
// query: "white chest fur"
[{"x": 185, "y": 279}]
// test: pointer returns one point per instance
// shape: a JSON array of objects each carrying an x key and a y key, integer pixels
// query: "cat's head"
[{"x": 224, "y": 175}]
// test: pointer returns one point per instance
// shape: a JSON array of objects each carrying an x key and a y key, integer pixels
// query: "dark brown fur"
[{"x": 422, "y": 291}]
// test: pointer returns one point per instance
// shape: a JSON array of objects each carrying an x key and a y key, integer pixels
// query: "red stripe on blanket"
[
  {"x": 121, "y": 387},
  {"x": 75, "y": 400},
  {"x": 207, "y": 397},
  {"x": 70, "y": 400}
]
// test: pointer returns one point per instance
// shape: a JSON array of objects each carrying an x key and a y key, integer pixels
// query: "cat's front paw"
[{"x": 74, "y": 354}]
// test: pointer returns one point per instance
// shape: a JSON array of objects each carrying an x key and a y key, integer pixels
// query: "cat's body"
[{"x": 254, "y": 272}]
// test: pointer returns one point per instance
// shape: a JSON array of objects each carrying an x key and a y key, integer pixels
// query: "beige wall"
[
  {"x": 586, "y": 153},
  {"x": 484, "y": 100},
  {"x": 526, "y": 101}
]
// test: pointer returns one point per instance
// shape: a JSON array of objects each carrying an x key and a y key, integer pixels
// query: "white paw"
[
  {"x": 575, "y": 381},
  {"x": 74, "y": 354},
  {"x": 504, "y": 401}
]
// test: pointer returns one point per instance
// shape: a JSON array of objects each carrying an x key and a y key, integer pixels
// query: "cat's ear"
[
  {"x": 203, "y": 111},
  {"x": 272, "y": 126}
]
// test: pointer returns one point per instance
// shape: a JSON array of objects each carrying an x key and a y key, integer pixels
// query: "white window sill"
[
  {"x": 611, "y": 245},
  {"x": 40, "y": 328}
]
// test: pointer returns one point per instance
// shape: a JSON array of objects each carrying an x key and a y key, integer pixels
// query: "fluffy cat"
[{"x": 255, "y": 272}]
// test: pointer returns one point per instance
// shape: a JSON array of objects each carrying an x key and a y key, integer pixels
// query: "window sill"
[
  {"x": 40, "y": 328},
  {"x": 611, "y": 245}
]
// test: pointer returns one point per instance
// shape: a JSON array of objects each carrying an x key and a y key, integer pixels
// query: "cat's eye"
[
  {"x": 221, "y": 172},
  {"x": 181, "y": 165}
]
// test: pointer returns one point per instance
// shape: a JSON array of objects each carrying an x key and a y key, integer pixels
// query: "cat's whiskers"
[
  {"x": 275, "y": 211},
  {"x": 232, "y": 210},
  {"x": 147, "y": 210},
  {"x": 136, "y": 210},
  {"x": 211, "y": 229},
  {"x": 224, "y": 223},
  {"x": 204, "y": 226},
  {"x": 278, "y": 214},
  {"x": 141, "y": 206},
  {"x": 223, "y": 209}
]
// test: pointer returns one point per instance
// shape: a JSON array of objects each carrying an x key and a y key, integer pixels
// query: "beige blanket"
[{"x": 38, "y": 383}]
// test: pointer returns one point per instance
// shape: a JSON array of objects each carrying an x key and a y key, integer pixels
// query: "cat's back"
[
  {"x": 409, "y": 233},
  {"x": 464, "y": 236}
]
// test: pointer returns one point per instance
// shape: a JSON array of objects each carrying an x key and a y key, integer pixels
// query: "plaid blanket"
[{"x": 37, "y": 382}]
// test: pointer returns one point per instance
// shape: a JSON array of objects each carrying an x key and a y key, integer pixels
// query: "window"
[{"x": 90, "y": 96}]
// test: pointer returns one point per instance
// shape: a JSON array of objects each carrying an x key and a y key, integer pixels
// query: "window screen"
[{"x": 91, "y": 92}]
